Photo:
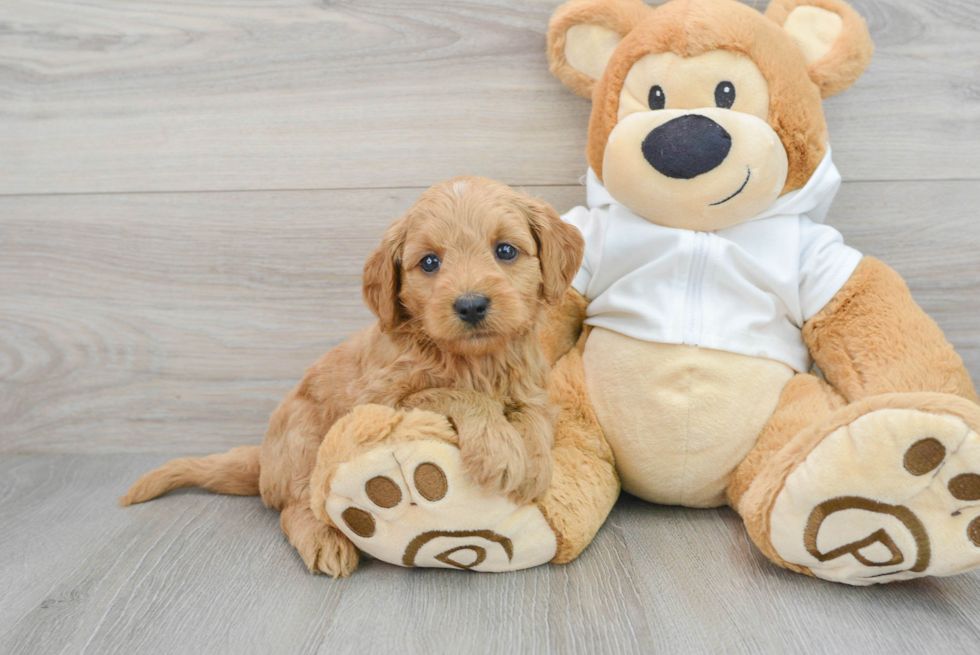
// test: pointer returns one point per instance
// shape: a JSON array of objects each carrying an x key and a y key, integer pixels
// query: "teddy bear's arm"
[{"x": 873, "y": 338}]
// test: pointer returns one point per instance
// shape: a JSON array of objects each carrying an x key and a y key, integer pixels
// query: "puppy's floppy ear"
[
  {"x": 834, "y": 38},
  {"x": 560, "y": 248},
  {"x": 582, "y": 36},
  {"x": 382, "y": 277}
]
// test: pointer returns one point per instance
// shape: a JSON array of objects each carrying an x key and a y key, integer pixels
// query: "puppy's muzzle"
[{"x": 471, "y": 308}]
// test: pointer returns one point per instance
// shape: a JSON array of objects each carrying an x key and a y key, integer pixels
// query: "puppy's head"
[{"x": 471, "y": 265}]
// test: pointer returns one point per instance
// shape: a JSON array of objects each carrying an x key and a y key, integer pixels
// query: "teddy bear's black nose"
[
  {"x": 472, "y": 308},
  {"x": 687, "y": 146}
]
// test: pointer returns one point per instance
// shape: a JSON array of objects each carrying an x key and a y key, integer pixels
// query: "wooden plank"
[
  {"x": 151, "y": 96},
  {"x": 176, "y": 322},
  {"x": 701, "y": 571},
  {"x": 195, "y": 572}
]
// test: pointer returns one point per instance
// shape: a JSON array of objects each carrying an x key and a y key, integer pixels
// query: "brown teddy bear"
[{"x": 714, "y": 286}]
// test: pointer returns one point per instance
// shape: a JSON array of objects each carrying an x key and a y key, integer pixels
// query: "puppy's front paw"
[
  {"x": 323, "y": 548},
  {"x": 536, "y": 481},
  {"x": 333, "y": 554},
  {"x": 498, "y": 460}
]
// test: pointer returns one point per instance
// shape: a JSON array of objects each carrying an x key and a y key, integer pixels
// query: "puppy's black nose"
[
  {"x": 471, "y": 308},
  {"x": 687, "y": 146}
]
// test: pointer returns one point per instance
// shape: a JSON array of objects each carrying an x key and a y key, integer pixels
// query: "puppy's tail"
[{"x": 235, "y": 472}]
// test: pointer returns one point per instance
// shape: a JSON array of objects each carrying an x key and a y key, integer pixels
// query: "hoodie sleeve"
[
  {"x": 825, "y": 265},
  {"x": 591, "y": 229}
]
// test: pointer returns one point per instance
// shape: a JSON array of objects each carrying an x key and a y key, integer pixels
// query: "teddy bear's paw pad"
[
  {"x": 411, "y": 504},
  {"x": 893, "y": 495}
]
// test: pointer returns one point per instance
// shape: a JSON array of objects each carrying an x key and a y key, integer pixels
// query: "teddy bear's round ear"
[
  {"x": 833, "y": 37},
  {"x": 582, "y": 36}
]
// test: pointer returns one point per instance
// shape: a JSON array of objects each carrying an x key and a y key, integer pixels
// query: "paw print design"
[
  {"x": 893, "y": 495},
  {"x": 412, "y": 505}
]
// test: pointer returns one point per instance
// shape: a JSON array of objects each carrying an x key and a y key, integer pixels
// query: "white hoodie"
[{"x": 745, "y": 289}]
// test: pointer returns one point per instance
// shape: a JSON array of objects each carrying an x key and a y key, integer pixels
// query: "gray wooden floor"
[{"x": 187, "y": 193}]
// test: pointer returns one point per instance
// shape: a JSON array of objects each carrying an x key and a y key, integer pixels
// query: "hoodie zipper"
[{"x": 695, "y": 282}]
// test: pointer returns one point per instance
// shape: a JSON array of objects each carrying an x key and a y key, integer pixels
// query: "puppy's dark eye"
[
  {"x": 506, "y": 252},
  {"x": 430, "y": 264},
  {"x": 656, "y": 99},
  {"x": 725, "y": 95}
]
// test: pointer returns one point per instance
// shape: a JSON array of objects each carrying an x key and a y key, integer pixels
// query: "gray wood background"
[{"x": 187, "y": 194}]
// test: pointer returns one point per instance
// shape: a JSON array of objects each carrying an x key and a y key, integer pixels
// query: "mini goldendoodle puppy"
[{"x": 460, "y": 285}]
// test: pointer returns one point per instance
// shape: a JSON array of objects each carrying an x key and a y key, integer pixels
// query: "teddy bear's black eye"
[
  {"x": 725, "y": 95},
  {"x": 429, "y": 264},
  {"x": 506, "y": 252},
  {"x": 657, "y": 99}
]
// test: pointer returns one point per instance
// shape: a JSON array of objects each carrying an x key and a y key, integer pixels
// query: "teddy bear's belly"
[{"x": 679, "y": 418}]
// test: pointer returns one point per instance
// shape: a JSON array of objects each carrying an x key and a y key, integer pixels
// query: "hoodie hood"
[{"x": 813, "y": 200}]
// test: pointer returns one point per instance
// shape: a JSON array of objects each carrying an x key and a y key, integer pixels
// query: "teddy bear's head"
[{"x": 704, "y": 112}]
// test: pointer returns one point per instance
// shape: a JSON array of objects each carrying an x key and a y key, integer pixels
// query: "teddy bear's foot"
[
  {"x": 888, "y": 493},
  {"x": 411, "y": 504}
]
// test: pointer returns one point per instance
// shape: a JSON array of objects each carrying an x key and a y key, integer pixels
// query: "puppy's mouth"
[
  {"x": 748, "y": 174},
  {"x": 475, "y": 342},
  {"x": 480, "y": 334},
  {"x": 481, "y": 337}
]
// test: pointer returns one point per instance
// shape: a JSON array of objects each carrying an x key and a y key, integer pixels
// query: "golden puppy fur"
[{"x": 488, "y": 377}]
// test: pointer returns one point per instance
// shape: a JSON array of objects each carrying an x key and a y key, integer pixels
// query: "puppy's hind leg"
[{"x": 323, "y": 547}]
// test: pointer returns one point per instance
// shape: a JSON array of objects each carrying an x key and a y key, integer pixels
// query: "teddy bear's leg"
[
  {"x": 404, "y": 498},
  {"x": 884, "y": 489},
  {"x": 879, "y": 481},
  {"x": 398, "y": 490},
  {"x": 805, "y": 400},
  {"x": 584, "y": 485}
]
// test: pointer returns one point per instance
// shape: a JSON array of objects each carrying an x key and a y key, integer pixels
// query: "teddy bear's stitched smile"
[{"x": 748, "y": 174}]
